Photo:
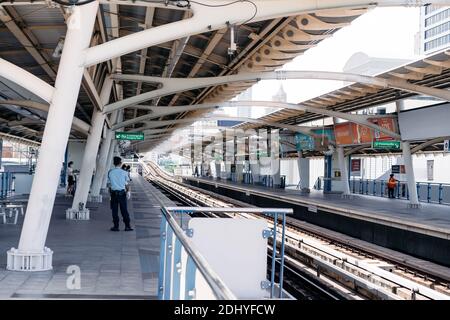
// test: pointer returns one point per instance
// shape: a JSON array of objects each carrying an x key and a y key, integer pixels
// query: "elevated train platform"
[
  {"x": 423, "y": 232},
  {"x": 113, "y": 265}
]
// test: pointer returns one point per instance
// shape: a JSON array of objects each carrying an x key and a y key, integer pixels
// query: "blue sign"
[{"x": 304, "y": 142}]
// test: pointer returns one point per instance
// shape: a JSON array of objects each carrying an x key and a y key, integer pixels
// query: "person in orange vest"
[{"x": 392, "y": 183}]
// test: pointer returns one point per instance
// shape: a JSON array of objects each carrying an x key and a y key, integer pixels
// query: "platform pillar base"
[
  {"x": 414, "y": 206},
  {"x": 98, "y": 198},
  {"x": 29, "y": 261},
  {"x": 73, "y": 214}
]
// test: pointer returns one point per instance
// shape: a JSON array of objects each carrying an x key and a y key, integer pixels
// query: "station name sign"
[
  {"x": 129, "y": 136},
  {"x": 386, "y": 144}
]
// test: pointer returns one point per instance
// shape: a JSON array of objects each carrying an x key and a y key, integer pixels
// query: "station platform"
[
  {"x": 114, "y": 265},
  {"x": 423, "y": 232}
]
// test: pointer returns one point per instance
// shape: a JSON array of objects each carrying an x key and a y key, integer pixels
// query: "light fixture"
[{"x": 233, "y": 46}]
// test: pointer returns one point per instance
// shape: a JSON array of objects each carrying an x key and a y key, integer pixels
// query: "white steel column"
[
  {"x": 102, "y": 161},
  {"x": 57, "y": 129},
  {"x": 303, "y": 172},
  {"x": 410, "y": 178},
  {"x": 79, "y": 210},
  {"x": 344, "y": 172}
]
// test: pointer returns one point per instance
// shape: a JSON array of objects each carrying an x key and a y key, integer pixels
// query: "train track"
[{"x": 321, "y": 261}]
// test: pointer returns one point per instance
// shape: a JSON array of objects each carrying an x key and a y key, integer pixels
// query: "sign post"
[{"x": 129, "y": 136}]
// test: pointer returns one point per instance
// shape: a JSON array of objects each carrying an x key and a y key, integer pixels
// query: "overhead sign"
[
  {"x": 446, "y": 145},
  {"x": 355, "y": 167},
  {"x": 129, "y": 136},
  {"x": 390, "y": 145}
]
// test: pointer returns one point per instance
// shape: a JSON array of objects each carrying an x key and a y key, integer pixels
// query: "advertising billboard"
[
  {"x": 349, "y": 133},
  {"x": 319, "y": 142}
]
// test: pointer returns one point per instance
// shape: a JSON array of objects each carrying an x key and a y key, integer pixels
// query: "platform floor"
[
  {"x": 429, "y": 216},
  {"x": 114, "y": 265}
]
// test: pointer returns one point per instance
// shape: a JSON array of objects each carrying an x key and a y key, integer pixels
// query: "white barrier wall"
[{"x": 236, "y": 250}]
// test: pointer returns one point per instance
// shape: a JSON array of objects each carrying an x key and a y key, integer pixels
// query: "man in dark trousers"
[{"x": 120, "y": 190}]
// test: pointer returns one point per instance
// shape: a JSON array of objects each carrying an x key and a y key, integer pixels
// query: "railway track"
[{"x": 322, "y": 261}]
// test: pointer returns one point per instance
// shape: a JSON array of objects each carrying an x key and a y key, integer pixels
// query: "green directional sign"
[
  {"x": 386, "y": 144},
  {"x": 129, "y": 136}
]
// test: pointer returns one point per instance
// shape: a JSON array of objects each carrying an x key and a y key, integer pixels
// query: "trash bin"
[{"x": 282, "y": 182}]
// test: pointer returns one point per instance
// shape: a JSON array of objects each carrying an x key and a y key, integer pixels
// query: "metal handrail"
[{"x": 220, "y": 290}]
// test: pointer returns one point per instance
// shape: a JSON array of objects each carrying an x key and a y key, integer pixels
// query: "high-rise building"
[
  {"x": 434, "y": 28},
  {"x": 280, "y": 96},
  {"x": 245, "y": 112}
]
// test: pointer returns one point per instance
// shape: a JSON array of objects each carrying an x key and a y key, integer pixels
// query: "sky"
[{"x": 381, "y": 32}]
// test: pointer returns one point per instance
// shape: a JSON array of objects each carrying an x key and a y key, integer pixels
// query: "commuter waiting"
[
  {"x": 120, "y": 191},
  {"x": 392, "y": 183},
  {"x": 70, "y": 179}
]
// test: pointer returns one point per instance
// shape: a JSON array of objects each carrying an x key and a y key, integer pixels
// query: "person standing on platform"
[
  {"x": 392, "y": 183},
  {"x": 70, "y": 179},
  {"x": 120, "y": 191}
]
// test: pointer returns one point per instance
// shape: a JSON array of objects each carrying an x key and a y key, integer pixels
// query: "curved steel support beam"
[
  {"x": 77, "y": 124},
  {"x": 356, "y": 118},
  {"x": 428, "y": 143},
  {"x": 359, "y": 119},
  {"x": 176, "y": 85},
  {"x": 26, "y": 80},
  {"x": 157, "y": 124},
  {"x": 208, "y": 17}
]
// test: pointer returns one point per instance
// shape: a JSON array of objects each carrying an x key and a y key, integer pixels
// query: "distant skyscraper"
[
  {"x": 280, "y": 96},
  {"x": 434, "y": 28},
  {"x": 245, "y": 112}
]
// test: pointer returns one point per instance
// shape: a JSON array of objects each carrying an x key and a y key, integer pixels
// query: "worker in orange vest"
[{"x": 392, "y": 183}]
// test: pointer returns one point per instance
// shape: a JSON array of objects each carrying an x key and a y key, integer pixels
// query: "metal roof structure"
[{"x": 29, "y": 35}]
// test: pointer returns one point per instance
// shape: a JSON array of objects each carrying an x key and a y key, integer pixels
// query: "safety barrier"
[
  {"x": 429, "y": 192},
  {"x": 7, "y": 184},
  {"x": 175, "y": 245},
  {"x": 185, "y": 274}
]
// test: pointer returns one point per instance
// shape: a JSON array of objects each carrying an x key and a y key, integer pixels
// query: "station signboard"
[
  {"x": 129, "y": 136},
  {"x": 389, "y": 145}
]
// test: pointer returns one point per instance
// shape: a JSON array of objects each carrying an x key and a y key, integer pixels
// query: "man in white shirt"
[{"x": 120, "y": 190}]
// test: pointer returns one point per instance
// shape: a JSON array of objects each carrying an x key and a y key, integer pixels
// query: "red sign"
[
  {"x": 343, "y": 133},
  {"x": 356, "y": 165},
  {"x": 387, "y": 123},
  {"x": 351, "y": 133}
]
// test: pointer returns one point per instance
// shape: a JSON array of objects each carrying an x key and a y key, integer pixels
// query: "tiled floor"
[{"x": 121, "y": 265}]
